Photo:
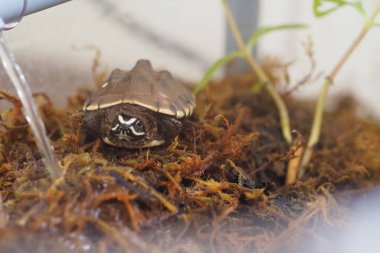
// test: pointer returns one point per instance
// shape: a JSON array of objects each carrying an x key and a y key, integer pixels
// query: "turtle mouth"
[{"x": 123, "y": 135}]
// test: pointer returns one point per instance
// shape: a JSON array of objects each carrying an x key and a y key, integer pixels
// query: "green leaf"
[
  {"x": 376, "y": 25},
  {"x": 219, "y": 63},
  {"x": 265, "y": 30},
  {"x": 324, "y": 7},
  {"x": 257, "y": 87}
]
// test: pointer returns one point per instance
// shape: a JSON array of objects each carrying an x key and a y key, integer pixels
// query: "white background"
[{"x": 185, "y": 37}]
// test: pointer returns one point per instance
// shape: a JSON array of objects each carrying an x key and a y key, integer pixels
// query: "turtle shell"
[{"x": 155, "y": 90}]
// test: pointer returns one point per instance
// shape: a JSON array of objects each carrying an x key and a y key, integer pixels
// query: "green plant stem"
[
  {"x": 283, "y": 112},
  {"x": 318, "y": 115}
]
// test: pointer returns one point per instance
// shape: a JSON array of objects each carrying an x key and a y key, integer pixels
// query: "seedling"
[
  {"x": 329, "y": 80},
  {"x": 245, "y": 52},
  {"x": 321, "y": 8}
]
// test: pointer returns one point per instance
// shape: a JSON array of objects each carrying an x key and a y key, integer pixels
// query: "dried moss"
[{"x": 218, "y": 188}]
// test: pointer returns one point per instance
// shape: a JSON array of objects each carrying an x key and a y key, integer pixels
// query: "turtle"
[{"x": 140, "y": 108}]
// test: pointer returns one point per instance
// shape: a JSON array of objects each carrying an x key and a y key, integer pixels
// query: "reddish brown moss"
[{"x": 219, "y": 187}]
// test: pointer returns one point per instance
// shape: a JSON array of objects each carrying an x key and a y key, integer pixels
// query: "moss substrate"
[{"x": 218, "y": 188}]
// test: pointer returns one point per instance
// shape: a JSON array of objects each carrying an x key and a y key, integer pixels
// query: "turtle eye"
[
  {"x": 137, "y": 129},
  {"x": 139, "y": 126}
]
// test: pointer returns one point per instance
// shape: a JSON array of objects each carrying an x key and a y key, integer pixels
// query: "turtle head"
[
  {"x": 133, "y": 126},
  {"x": 130, "y": 126}
]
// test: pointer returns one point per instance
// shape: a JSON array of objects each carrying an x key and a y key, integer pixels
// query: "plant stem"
[
  {"x": 292, "y": 171},
  {"x": 318, "y": 115},
  {"x": 283, "y": 112}
]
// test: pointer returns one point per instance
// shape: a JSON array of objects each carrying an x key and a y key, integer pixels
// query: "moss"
[{"x": 218, "y": 187}]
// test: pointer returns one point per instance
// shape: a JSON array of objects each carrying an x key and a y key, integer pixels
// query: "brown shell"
[{"x": 157, "y": 91}]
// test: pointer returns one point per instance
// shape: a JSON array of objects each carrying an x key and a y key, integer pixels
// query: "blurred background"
[{"x": 55, "y": 47}]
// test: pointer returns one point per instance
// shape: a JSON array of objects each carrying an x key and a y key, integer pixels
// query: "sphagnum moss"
[{"x": 217, "y": 187}]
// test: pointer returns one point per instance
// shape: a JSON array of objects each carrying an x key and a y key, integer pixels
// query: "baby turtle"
[{"x": 140, "y": 108}]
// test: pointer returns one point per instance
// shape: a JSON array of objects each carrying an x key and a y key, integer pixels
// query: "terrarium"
[{"x": 170, "y": 143}]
